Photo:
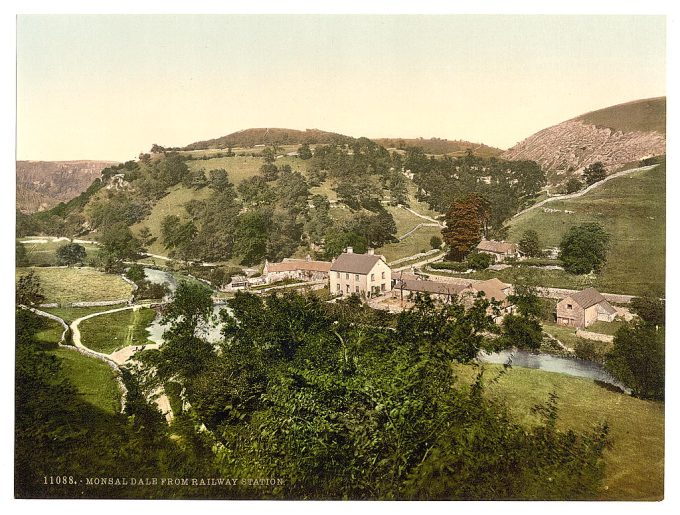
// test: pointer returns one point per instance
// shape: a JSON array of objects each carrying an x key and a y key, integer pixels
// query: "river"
[{"x": 549, "y": 363}]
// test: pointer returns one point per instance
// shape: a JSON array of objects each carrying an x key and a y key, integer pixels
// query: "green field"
[
  {"x": 417, "y": 242},
  {"x": 68, "y": 315},
  {"x": 67, "y": 285},
  {"x": 50, "y": 333},
  {"x": 635, "y": 459},
  {"x": 113, "y": 331},
  {"x": 44, "y": 254},
  {"x": 632, "y": 210},
  {"x": 93, "y": 379}
]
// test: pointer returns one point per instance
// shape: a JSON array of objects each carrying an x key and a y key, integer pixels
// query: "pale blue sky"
[{"x": 107, "y": 87}]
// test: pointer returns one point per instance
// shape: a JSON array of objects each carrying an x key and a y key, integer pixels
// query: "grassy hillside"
[
  {"x": 641, "y": 115},
  {"x": 632, "y": 210},
  {"x": 634, "y": 462}
]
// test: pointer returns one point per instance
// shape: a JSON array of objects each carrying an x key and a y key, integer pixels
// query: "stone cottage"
[{"x": 584, "y": 308}]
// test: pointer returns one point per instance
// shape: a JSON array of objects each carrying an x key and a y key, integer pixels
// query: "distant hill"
[
  {"x": 43, "y": 184},
  {"x": 269, "y": 136},
  {"x": 615, "y": 136},
  {"x": 441, "y": 146}
]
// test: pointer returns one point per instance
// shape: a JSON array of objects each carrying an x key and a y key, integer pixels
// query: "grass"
[
  {"x": 67, "y": 285},
  {"x": 605, "y": 327},
  {"x": 51, "y": 332},
  {"x": 45, "y": 254},
  {"x": 405, "y": 220},
  {"x": 68, "y": 315},
  {"x": 635, "y": 460},
  {"x": 640, "y": 115},
  {"x": 632, "y": 210},
  {"x": 113, "y": 331},
  {"x": 238, "y": 167},
  {"x": 417, "y": 242},
  {"x": 566, "y": 335},
  {"x": 171, "y": 204},
  {"x": 93, "y": 379}
]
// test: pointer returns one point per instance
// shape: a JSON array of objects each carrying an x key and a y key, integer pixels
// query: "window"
[
  {"x": 347, "y": 286},
  {"x": 372, "y": 277},
  {"x": 383, "y": 275},
  {"x": 346, "y": 276},
  {"x": 338, "y": 275},
  {"x": 568, "y": 306},
  {"x": 357, "y": 289},
  {"x": 382, "y": 286},
  {"x": 356, "y": 277},
  {"x": 337, "y": 287}
]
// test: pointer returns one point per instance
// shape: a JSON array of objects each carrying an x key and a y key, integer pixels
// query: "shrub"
[
  {"x": 450, "y": 265},
  {"x": 479, "y": 261},
  {"x": 435, "y": 242}
]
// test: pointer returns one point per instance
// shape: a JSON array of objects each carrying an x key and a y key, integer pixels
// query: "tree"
[
  {"x": 651, "y": 310},
  {"x": 435, "y": 242},
  {"x": 304, "y": 152},
  {"x": 29, "y": 291},
  {"x": 465, "y": 222},
  {"x": 523, "y": 329},
  {"x": 529, "y": 244},
  {"x": 584, "y": 248},
  {"x": 118, "y": 244},
  {"x": 479, "y": 260},
  {"x": 574, "y": 185},
  {"x": 594, "y": 173},
  {"x": 146, "y": 238},
  {"x": 70, "y": 254},
  {"x": 638, "y": 359},
  {"x": 21, "y": 257}
]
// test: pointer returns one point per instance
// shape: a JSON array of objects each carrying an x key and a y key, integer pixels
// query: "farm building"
[
  {"x": 364, "y": 274},
  {"x": 302, "y": 269},
  {"x": 499, "y": 250},
  {"x": 583, "y": 308}
]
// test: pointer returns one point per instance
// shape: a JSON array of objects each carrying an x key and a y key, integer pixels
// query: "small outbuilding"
[
  {"x": 584, "y": 308},
  {"x": 499, "y": 250}
]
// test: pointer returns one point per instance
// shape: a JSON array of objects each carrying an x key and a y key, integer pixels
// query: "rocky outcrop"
[
  {"x": 43, "y": 184},
  {"x": 577, "y": 144}
]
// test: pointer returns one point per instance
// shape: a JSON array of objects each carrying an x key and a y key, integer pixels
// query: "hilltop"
[
  {"x": 616, "y": 136},
  {"x": 248, "y": 138},
  {"x": 440, "y": 146},
  {"x": 42, "y": 185}
]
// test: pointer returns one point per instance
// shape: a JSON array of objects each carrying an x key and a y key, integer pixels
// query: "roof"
[
  {"x": 497, "y": 247},
  {"x": 588, "y": 297},
  {"x": 355, "y": 263},
  {"x": 492, "y": 288},
  {"x": 289, "y": 265},
  {"x": 424, "y": 286}
]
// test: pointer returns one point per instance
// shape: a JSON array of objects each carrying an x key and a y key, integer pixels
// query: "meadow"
[
  {"x": 73, "y": 284},
  {"x": 113, "y": 331},
  {"x": 634, "y": 460},
  {"x": 632, "y": 210}
]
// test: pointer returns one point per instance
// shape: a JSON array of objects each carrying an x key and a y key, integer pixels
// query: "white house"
[{"x": 366, "y": 275}]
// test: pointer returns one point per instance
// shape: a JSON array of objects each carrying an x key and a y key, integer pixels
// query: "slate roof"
[
  {"x": 590, "y": 297},
  {"x": 497, "y": 247},
  {"x": 355, "y": 263}
]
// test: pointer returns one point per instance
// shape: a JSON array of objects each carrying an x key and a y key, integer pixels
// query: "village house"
[
  {"x": 499, "y": 250},
  {"x": 366, "y": 275},
  {"x": 407, "y": 285},
  {"x": 583, "y": 308},
  {"x": 300, "y": 269}
]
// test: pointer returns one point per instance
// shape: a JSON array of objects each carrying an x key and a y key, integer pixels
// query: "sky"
[{"x": 109, "y": 86}]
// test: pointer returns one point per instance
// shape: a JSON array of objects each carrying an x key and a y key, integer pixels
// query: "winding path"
[
  {"x": 123, "y": 355},
  {"x": 587, "y": 190}
]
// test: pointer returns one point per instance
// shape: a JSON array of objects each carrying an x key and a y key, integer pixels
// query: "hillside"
[
  {"x": 441, "y": 146},
  {"x": 43, "y": 184},
  {"x": 616, "y": 136},
  {"x": 632, "y": 210},
  {"x": 268, "y": 136}
]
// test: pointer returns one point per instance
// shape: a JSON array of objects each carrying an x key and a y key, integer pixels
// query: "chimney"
[
  {"x": 371, "y": 252},
  {"x": 349, "y": 250}
]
